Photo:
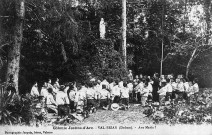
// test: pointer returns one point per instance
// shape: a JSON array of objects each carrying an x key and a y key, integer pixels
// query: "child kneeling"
[
  {"x": 104, "y": 97},
  {"x": 144, "y": 94},
  {"x": 125, "y": 95},
  {"x": 162, "y": 93}
]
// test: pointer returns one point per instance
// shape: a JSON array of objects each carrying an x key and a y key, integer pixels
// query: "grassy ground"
[{"x": 133, "y": 115}]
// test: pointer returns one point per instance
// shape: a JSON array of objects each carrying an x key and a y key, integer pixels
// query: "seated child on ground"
[
  {"x": 186, "y": 86},
  {"x": 179, "y": 91},
  {"x": 34, "y": 91},
  {"x": 190, "y": 92},
  {"x": 195, "y": 88},
  {"x": 50, "y": 102}
]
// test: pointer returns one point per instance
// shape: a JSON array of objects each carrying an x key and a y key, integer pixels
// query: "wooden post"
[{"x": 124, "y": 29}]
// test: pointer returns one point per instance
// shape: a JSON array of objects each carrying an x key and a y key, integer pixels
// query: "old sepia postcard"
[{"x": 78, "y": 67}]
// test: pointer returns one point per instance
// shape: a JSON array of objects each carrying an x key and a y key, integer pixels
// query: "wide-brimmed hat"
[{"x": 115, "y": 107}]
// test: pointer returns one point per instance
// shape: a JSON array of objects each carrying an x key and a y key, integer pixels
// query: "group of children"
[
  {"x": 94, "y": 94},
  {"x": 164, "y": 88},
  {"x": 81, "y": 96}
]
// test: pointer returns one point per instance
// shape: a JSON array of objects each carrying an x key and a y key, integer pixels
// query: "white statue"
[{"x": 102, "y": 28}]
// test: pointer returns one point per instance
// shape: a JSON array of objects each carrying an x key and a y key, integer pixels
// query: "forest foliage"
[{"x": 61, "y": 39}]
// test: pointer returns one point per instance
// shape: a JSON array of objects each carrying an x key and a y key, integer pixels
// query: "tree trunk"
[
  {"x": 162, "y": 45},
  {"x": 1, "y": 21},
  {"x": 185, "y": 15},
  {"x": 190, "y": 61},
  {"x": 207, "y": 6},
  {"x": 15, "y": 49},
  {"x": 124, "y": 29}
]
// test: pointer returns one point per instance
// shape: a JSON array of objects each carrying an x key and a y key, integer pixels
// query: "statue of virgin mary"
[{"x": 102, "y": 28}]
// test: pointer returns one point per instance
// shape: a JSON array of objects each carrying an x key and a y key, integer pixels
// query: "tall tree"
[
  {"x": 207, "y": 6},
  {"x": 15, "y": 49},
  {"x": 124, "y": 29},
  {"x": 162, "y": 51},
  {"x": 0, "y": 21}
]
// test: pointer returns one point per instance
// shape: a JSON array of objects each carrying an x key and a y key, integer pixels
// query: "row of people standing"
[{"x": 166, "y": 88}]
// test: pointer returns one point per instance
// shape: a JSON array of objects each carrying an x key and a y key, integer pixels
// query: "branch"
[
  {"x": 202, "y": 37},
  {"x": 167, "y": 56},
  {"x": 175, "y": 37},
  {"x": 205, "y": 49},
  {"x": 205, "y": 45},
  {"x": 5, "y": 16},
  {"x": 5, "y": 44},
  {"x": 154, "y": 32},
  {"x": 181, "y": 65},
  {"x": 195, "y": 56}
]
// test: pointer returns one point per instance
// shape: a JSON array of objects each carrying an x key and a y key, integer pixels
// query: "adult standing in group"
[
  {"x": 155, "y": 87},
  {"x": 130, "y": 75}
]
